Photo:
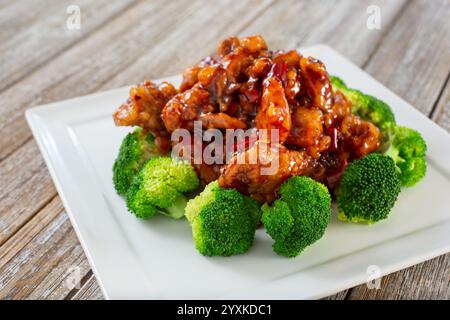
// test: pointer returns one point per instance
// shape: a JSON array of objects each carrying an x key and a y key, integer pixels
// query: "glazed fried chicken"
[
  {"x": 143, "y": 108},
  {"x": 246, "y": 86},
  {"x": 261, "y": 169}
]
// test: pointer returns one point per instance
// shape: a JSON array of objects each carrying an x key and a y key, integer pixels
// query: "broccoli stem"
[
  {"x": 176, "y": 210},
  {"x": 393, "y": 152}
]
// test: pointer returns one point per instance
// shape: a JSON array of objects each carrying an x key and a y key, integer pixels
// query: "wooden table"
[{"x": 123, "y": 42}]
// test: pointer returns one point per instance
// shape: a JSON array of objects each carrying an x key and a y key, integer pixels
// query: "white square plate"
[{"x": 156, "y": 259}]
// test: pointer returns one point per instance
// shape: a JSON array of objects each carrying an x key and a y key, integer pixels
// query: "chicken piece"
[
  {"x": 291, "y": 58},
  {"x": 237, "y": 56},
  {"x": 340, "y": 109},
  {"x": 292, "y": 87},
  {"x": 186, "y": 107},
  {"x": 195, "y": 105},
  {"x": 143, "y": 107},
  {"x": 207, "y": 172},
  {"x": 260, "y": 68},
  {"x": 308, "y": 132},
  {"x": 261, "y": 169},
  {"x": 190, "y": 77},
  {"x": 221, "y": 121},
  {"x": 363, "y": 136},
  {"x": 316, "y": 83},
  {"x": 307, "y": 127},
  {"x": 227, "y": 46},
  {"x": 235, "y": 63},
  {"x": 214, "y": 79},
  {"x": 274, "y": 112},
  {"x": 253, "y": 44},
  {"x": 249, "y": 91}
]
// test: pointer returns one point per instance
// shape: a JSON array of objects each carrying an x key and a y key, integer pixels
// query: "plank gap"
[
  {"x": 386, "y": 30},
  {"x": 438, "y": 99},
  {"x": 31, "y": 137},
  {"x": 83, "y": 282},
  {"x": 19, "y": 227},
  {"x": 60, "y": 51},
  {"x": 256, "y": 15}
]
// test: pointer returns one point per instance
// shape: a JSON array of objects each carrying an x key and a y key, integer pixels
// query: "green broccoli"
[
  {"x": 368, "y": 108},
  {"x": 159, "y": 187},
  {"x": 136, "y": 148},
  {"x": 299, "y": 217},
  {"x": 408, "y": 150},
  {"x": 368, "y": 189},
  {"x": 223, "y": 221}
]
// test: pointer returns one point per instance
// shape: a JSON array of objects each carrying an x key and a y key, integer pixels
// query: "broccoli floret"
[
  {"x": 159, "y": 187},
  {"x": 136, "y": 148},
  {"x": 368, "y": 108},
  {"x": 408, "y": 150},
  {"x": 368, "y": 189},
  {"x": 223, "y": 221},
  {"x": 299, "y": 217}
]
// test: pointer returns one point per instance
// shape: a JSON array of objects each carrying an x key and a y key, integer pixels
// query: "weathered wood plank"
[
  {"x": 33, "y": 32},
  {"x": 180, "y": 38},
  {"x": 43, "y": 253},
  {"x": 180, "y": 49},
  {"x": 85, "y": 67},
  {"x": 340, "y": 24},
  {"x": 428, "y": 280},
  {"x": 12, "y": 215},
  {"x": 414, "y": 58},
  {"x": 26, "y": 188},
  {"x": 57, "y": 288},
  {"x": 338, "y": 296},
  {"x": 441, "y": 114},
  {"x": 300, "y": 24},
  {"x": 414, "y": 61},
  {"x": 333, "y": 36},
  {"x": 90, "y": 291},
  {"x": 68, "y": 274},
  {"x": 350, "y": 47},
  {"x": 284, "y": 25},
  {"x": 10, "y": 248}
]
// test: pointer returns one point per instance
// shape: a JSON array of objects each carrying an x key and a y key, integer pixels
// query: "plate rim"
[{"x": 35, "y": 118}]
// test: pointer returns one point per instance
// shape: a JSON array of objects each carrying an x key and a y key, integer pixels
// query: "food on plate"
[
  {"x": 368, "y": 108},
  {"x": 249, "y": 178},
  {"x": 160, "y": 186},
  {"x": 368, "y": 189},
  {"x": 311, "y": 138},
  {"x": 408, "y": 150},
  {"x": 223, "y": 221},
  {"x": 137, "y": 147},
  {"x": 299, "y": 217}
]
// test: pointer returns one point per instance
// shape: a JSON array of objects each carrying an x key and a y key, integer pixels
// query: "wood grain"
[
  {"x": 100, "y": 56},
  {"x": 143, "y": 41},
  {"x": 148, "y": 64},
  {"x": 340, "y": 24},
  {"x": 14, "y": 219},
  {"x": 26, "y": 188},
  {"x": 33, "y": 32},
  {"x": 79, "y": 70},
  {"x": 90, "y": 291},
  {"x": 416, "y": 72},
  {"x": 414, "y": 58},
  {"x": 428, "y": 280},
  {"x": 311, "y": 23},
  {"x": 41, "y": 255},
  {"x": 441, "y": 114}
]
